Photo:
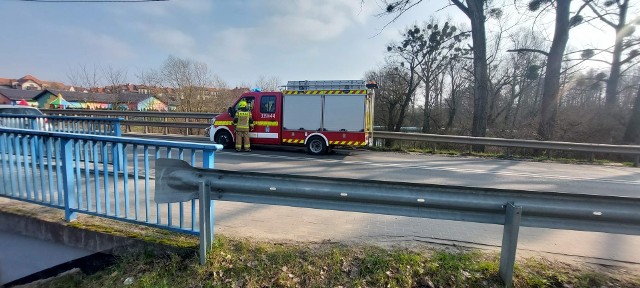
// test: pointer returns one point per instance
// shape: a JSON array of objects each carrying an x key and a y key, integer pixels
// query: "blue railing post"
[
  {"x": 117, "y": 131},
  {"x": 66, "y": 146},
  {"x": 207, "y": 162},
  {"x": 33, "y": 123},
  {"x": 35, "y": 126}
]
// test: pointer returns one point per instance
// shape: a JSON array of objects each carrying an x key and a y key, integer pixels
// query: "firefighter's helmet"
[{"x": 242, "y": 104}]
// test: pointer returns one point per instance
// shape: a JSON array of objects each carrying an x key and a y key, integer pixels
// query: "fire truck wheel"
[
  {"x": 316, "y": 146},
  {"x": 223, "y": 138}
]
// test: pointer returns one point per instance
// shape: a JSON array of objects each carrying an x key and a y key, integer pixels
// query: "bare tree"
[
  {"x": 190, "y": 81},
  {"x": 616, "y": 18},
  {"x": 475, "y": 11},
  {"x": 268, "y": 83},
  {"x": 115, "y": 78},
  {"x": 555, "y": 56},
  {"x": 525, "y": 72},
  {"x": 407, "y": 65},
  {"x": 389, "y": 96},
  {"x": 632, "y": 132},
  {"x": 440, "y": 46},
  {"x": 85, "y": 76}
]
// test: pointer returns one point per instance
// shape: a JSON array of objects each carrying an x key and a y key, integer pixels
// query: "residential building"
[
  {"x": 13, "y": 96},
  {"x": 121, "y": 101}
]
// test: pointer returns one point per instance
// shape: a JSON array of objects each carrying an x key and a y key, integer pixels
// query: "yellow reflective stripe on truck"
[
  {"x": 265, "y": 123},
  {"x": 257, "y": 123},
  {"x": 348, "y": 143},
  {"x": 222, "y": 123},
  {"x": 340, "y": 143}
]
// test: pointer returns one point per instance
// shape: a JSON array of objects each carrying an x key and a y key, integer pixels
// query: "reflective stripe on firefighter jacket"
[{"x": 243, "y": 120}]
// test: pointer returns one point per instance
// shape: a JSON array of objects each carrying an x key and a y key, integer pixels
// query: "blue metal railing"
[
  {"x": 73, "y": 172},
  {"x": 82, "y": 125}
]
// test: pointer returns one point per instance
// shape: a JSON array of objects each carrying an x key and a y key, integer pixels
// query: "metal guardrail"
[
  {"x": 118, "y": 113},
  {"x": 146, "y": 119},
  {"x": 518, "y": 143},
  {"x": 177, "y": 181},
  {"x": 633, "y": 150},
  {"x": 82, "y": 125},
  {"x": 76, "y": 172}
]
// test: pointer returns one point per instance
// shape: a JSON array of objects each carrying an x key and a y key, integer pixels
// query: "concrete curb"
[
  {"x": 62, "y": 234},
  {"x": 79, "y": 238}
]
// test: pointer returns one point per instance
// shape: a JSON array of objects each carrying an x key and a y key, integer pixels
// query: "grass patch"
[{"x": 241, "y": 263}]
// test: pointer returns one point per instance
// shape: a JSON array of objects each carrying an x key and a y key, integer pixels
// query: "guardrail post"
[
  {"x": 68, "y": 179},
  {"x": 509, "y": 242},
  {"x": 637, "y": 162},
  {"x": 204, "y": 201},
  {"x": 207, "y": 162},
  {"x": 187, "y": 131},
  {"x": 592, "y": 157}
]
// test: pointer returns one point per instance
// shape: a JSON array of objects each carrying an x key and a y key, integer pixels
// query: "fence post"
[
  {"x": 66, "y": 146},
  {"x": 509, "y": 242},
  {"x": 117, "y": 131},
  {"x": 34, "y": 123},
  {"x": 207, "y": 162}
]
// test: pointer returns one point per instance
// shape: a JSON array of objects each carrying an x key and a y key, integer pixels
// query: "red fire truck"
[{"x": 320, "y": 115}]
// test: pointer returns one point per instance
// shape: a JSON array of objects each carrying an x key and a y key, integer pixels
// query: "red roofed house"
[
  {"x": 6, "y": 83},
  {"x": 32, "y": 83}
]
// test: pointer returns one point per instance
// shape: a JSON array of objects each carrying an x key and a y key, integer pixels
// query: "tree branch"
[
  {"x": 602, "y": 18},
  {"x": 589, "y": 59},
  {"x": 628, "y": 59},
  {"x": 521, "y": 50},
  {"x": 462, "y": 8}
]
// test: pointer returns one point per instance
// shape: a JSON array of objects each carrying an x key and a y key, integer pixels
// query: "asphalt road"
[{"x": 464, "y": 171}]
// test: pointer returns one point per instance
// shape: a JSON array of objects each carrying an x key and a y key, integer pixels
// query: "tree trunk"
[
  {"x": 632, "y": 133},
  {"x": 611, "y": 93},
  {"x": 512, "y": 99},
  {"x": 411, "y": 88},
  {"x": 550, "y": 94},
  {"x": 427, "y": 111},
  {"x": 480, "y": 70},
  {"x": 453, "y": 108}
]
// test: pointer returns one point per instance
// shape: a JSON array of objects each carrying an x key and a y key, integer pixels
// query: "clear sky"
[{"x": 240, "y": 40}]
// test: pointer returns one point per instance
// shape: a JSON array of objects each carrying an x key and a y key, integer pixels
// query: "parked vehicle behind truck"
[{"x": 319, "y": 115}]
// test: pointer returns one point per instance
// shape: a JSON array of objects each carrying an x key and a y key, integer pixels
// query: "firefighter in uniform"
[{"x": 243, "y": 123}]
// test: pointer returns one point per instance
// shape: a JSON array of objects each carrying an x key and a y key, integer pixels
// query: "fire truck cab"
[{"x": 320, "y": 115}]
